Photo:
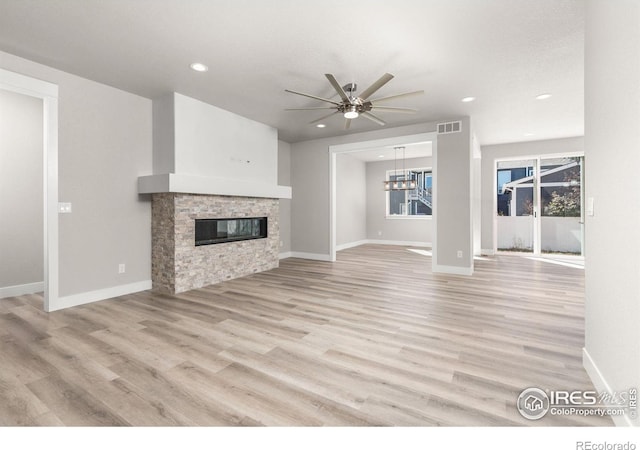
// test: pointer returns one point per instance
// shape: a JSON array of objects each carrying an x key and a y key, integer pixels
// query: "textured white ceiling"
[{"x": 504, "y": 52}]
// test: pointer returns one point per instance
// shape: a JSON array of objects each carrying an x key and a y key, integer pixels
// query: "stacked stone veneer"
[{"x": 178, "y": 265}]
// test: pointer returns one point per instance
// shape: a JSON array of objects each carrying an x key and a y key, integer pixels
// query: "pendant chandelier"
[{"x": 400, "y": 183}]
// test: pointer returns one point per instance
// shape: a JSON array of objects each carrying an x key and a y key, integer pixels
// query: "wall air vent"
[{"x": 450, "y": 127}]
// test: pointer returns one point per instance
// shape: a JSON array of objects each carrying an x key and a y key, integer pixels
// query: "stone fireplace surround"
[{"x": 178, "y": 265}]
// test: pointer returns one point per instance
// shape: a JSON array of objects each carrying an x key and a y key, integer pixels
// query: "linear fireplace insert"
[{"x": 218, "y": 231}]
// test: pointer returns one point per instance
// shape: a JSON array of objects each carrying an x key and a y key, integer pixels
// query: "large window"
[
  {"x": 416, "y": 202},
  {"x": 559, "y": 188}
]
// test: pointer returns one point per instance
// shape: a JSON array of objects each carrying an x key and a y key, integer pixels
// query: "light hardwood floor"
[{"x": 373, "y": 339}]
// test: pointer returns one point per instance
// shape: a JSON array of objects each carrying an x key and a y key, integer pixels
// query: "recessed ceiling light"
[
  {"x": 528, "y": 134},
  {"x": 199, "y": 67},
  {"x": 543, "y": 96},
  {"x": 468, "y": 99},
  {"x": 320, "y": 125},
  {"x": 380, "y": 156}
]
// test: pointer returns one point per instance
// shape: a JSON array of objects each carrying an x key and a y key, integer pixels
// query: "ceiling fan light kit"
[
  {"x": 352, "y": 106},
  {"x": 351, "y": 113}
]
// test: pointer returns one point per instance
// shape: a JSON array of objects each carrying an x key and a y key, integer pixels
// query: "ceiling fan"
[{"x": 352, "y": 106}]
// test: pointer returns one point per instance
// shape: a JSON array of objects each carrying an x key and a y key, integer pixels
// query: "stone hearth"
[{"x": 178, "y": 265}]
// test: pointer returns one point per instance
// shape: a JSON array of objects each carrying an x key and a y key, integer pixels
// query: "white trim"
[
  {"x": 333, "y": 202},
  {"x": 21, "y": 289},
  {"x": 334, "y": 150},
  {"x": 351, "y": 244},
  {"x": 313, "y": 256},
  {"x": 285, "y": 255},
  {"x": 15, "y": 82},
  {"x": 434, "y": 202},
  {"x": 193, "y": 184},
  {"x": 601, "y": 385},
  {"x": 536, "y": 158},
  {"x": 102, "y": 294},
  {"x": 48, "y": 92},
  {"x": 488, "y": 252},
  {"x": 453, "y": 270}
]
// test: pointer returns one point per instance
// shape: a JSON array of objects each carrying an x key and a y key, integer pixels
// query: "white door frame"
[
  {"x": 537, "y": 220},
  {"x": 334, "y": 150},
  {"x": 48, "y": 92}
]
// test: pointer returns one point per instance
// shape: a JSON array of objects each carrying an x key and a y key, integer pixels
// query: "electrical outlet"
[
  {"x": 379, "y": 233},
  {"x": 121, "y": 268},
  {"x": 459, "y": 253},
  {"x": 64, "y": 208},
  {"x": 281, "y": 244}
]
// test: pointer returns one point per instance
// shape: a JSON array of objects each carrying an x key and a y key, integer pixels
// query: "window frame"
[{"x": 405, "y": 216}]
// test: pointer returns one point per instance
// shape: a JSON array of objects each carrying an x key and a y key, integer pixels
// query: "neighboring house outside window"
[
  {"x": 417, "y": 202},
  {"x": 560, "y": 190}
]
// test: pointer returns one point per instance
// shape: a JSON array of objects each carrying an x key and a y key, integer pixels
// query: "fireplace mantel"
[{"x": 193, "y": 184}]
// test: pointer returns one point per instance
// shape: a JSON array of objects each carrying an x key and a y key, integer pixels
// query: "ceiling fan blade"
[
  {"x": 384, "y": 79},
  {"x": 395, "y": 109},
  {"x": 373, "y": 118},
  {"x": 347, "y": 124},
  {"x": 313, "y": 96},
  {"x": 406, "y": 94},
  {"x": 343, "y": 95},
  {"x": 309, "y": 109},
  {"x": 322, "y": 118}
]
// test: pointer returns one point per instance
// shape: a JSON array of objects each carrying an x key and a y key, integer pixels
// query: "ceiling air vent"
[{"x": 450, "y": 127}]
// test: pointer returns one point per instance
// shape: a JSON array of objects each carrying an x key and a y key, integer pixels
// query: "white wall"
[
  {"x": 492, "y": 153},
  {"x": 379, "y": 227},
  {"x": 612, "y": 155},
  {"x": 453, "y": 181},
  {"x": 310, "y": 215},
  {"x": 211, "y": 142},
  {"x": 351, "y": 200},
  {"x": 164, "y": 136},
  {"x": 105, "y": 143},
  {"x": 284, "y": 179},
  {"x": 21, "y": 192}
]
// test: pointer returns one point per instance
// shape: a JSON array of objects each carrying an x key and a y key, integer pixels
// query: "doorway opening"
[
  {"x": 48, "y": 94},
  {"x": 385, "y": 203}
]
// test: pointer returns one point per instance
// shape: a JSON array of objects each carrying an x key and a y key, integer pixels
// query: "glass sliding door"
[
  {"x": 561, "y": 220},
  {"x": 539, "y": 205},
  {"x": 515, "y": 214}
]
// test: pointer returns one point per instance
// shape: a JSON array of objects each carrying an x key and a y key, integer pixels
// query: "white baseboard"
[
  {"x": 100, "y": 294},
  {"x": 486, "y": 251},
  {"x": 351, "y": 244},
  {"x": 453, "y": 270},
  {"x": 601, "y": 385},
  {"x": 314, "y": 256},
  {"x": 21, "y": 289},
  {"x": 285, "y": 255}
]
